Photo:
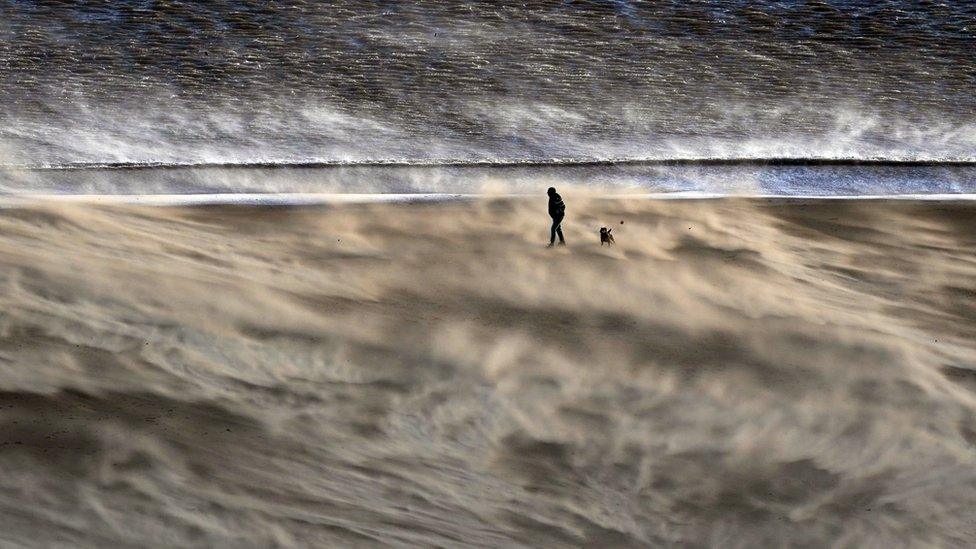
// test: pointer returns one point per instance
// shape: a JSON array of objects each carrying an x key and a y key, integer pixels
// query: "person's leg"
[{"x": 557, "y": 228}]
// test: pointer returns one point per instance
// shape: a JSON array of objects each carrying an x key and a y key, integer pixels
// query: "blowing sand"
[{"x": 732, "y": 373}]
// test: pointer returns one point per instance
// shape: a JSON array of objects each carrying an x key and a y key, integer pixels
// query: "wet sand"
[{"x": 733, "y": 373}]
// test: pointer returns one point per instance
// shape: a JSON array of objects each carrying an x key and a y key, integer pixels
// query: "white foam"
[
  {"x": 256, "y": 199},
  {"x": 301, "y": 199}
]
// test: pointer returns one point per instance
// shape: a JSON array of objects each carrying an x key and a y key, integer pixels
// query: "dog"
[{"x": 606, "y": 237}]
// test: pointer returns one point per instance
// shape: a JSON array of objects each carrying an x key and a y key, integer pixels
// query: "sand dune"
[{"x": 732, "y": 373}]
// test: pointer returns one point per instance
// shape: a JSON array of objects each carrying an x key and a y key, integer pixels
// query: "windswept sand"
[{"x": 732, "y": 373}]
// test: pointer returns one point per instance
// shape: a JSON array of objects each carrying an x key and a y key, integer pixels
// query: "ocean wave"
[
  {"x": 908, "y": 161},
  {"x": 732, "y": 177}
]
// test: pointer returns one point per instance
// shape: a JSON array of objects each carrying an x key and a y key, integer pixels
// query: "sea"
[{"x": 473, "y": 97}]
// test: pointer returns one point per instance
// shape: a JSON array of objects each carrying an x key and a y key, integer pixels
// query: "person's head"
[{"x": 551, "y": 191}]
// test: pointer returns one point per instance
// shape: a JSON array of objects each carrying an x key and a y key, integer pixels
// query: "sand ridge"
[{"x": 734, "y": 372}]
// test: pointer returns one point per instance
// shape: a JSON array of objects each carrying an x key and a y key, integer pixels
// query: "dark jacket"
[{"x": 556, "y": 206}]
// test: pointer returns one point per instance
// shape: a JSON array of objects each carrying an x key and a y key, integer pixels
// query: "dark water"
[{"x": 353, "y": 80}]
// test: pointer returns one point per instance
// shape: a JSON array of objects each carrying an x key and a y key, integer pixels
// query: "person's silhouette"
[{"x": 557, "y": 210}]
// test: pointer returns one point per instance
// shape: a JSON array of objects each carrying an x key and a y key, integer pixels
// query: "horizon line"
[{"x": 506, "y": 163}]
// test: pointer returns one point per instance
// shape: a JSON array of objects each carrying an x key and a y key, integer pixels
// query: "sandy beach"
[{"x": 734, "y": 372}]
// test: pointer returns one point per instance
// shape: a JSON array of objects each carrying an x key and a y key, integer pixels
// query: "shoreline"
[{"x": 313, "y": 199}]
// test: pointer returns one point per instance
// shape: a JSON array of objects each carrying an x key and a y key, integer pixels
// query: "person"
[{"x": 557, "y": 210}]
